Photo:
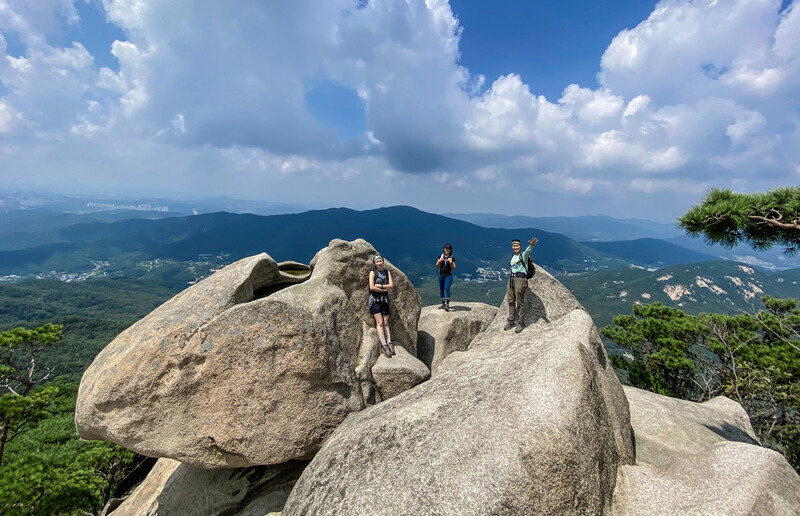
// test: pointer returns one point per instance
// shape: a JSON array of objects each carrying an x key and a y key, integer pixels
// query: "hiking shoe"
[
  {"x": 447, "y": 306},
  {"x": 391, "y": 348},
  {"x": 508, "y": 326},
  {"x": 519, "y": 328},
  {"x": 441, "y": 306}
]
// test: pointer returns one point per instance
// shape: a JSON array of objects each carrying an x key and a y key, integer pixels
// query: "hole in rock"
[{"x": 292, "y": 273}]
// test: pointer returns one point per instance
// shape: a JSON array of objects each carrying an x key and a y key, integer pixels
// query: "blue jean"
[{"x": 444, "y": 285}]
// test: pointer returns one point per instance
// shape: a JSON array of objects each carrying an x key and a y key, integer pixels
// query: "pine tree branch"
[{"x": 776, "y": 222}]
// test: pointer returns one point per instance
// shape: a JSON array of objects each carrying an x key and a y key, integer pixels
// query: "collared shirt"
[{"x": 518, "y": 261}]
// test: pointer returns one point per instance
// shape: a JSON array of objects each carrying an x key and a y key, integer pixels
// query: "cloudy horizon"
[{"x": 373, "y": 103}]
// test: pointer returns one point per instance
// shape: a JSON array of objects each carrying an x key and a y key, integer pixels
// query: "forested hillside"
[{"x": 713, "y": 286}]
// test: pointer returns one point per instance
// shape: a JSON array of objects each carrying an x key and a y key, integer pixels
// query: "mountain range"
[
  {"x": 602, "y": 228},
  {"x": 153, "y": 258},
  {"x": 408, "y": 237}
]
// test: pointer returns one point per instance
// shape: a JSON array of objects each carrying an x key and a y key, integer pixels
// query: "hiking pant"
[
  {"x": 444, "y": 286},
  {"x": 516, "y": 298}
]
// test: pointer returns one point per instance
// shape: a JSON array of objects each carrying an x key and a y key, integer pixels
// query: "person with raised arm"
[{"x": 518, "y": 284}]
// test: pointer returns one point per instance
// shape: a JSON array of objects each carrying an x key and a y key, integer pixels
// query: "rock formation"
[
  {"x": 539, "y": 425},
  {"x": 700, "y": 458},
  {"x": 440, "y": 333},
  {"x": 251, "y": 366},
  {"x": 546, "y": 301},
  {"x": 260, "y": 364},
  {"x": 176, "y": 488},
  {"x": 398, "y": 373}
]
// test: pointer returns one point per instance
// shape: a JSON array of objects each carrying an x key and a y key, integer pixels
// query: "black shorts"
[{"x": 379, "y": 308}]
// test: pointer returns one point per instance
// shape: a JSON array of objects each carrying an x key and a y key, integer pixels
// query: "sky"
[{"x": 628, "y": 108}]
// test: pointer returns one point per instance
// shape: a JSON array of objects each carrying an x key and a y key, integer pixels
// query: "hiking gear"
[
  {"x": 516, "y": 241},
  {"x": 387, "y": 351},
  {"x": 519, "y": 327},
  {"x": 446, "y": 267},
  {"x": 519, "y": 274},
  {"x": 442, "y": 305},
  {"x": 508, "y": 326},
  {"x": 378, "y": 302},
  {"x": 530, "y": 270},
  {"x": 391, "y": 348},
  {"x": 376, "y": 258},
  {"x": 447, "y": 305}
]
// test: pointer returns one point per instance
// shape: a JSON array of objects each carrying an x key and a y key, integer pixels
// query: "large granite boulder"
[
  {"x": 667, "y": 428},
  {"x": 251, "y": 366},
  {"x": 535, "y": 427},
  {"x": 176, "y": 488},
  {"x": 398, "y": 373},
  {"x": 700, "y": 458},
  {"x": 546, "y": 301},
  {"x": 727, "y": 478},
  {"x": 440, "y": 333}
]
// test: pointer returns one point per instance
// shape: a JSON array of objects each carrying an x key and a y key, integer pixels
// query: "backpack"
[{"x": 530, "y": 270}]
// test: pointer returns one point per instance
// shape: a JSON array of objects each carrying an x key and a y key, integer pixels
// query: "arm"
[
  {"x": 372, "y": 285},
  {"x": 452, "y": 263},
  {"x": 527, "y": 252},
  {"x": 391, "y": 283},
  {"x": 439, "y": 261}
]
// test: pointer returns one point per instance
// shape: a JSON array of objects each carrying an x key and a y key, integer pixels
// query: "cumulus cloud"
[{"x": 702, "y": 93}]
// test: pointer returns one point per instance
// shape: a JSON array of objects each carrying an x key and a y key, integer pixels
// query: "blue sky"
[{"x": 626, "y": 108}]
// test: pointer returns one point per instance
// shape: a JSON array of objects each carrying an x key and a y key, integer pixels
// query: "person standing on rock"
[
  {"x": 380, "y": 282},
  {"x": 518, "y": 284},
  {"x": 446, "y": 263}
]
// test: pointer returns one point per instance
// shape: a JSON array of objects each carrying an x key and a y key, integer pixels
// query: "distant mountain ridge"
[
  {"x": 650, "y": 252},
  {"x": 410, "y": 238},
  {"x": 600, "y": 228}
]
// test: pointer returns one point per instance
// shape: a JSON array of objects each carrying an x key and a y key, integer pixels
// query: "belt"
[{"x": 519, "y": 274}]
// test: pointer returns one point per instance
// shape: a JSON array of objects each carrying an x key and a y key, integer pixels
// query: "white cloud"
[
  {"x": 8, "y": 117},
  {"x": 701, "y": 93},
  {"x": 591, "y": 107}
]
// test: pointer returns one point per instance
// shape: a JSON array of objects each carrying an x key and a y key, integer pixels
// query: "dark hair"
[
  {"x": 448, "y": 246},
  {"x": 516, "y": 241}
]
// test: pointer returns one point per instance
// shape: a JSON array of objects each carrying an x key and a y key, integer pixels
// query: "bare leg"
[
  {"x": 386, "y": 328},
  {"x": 379, "y": 327}
]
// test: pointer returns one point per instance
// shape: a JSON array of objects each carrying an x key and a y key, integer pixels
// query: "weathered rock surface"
[
  {"x": 667, "y": 428},
  {"x": 398, "y": 373},
  {"x": 534, "y": 428},
  {"x": 176, "y": 488},
  {"x": 238, "y": 371},
  {"x": 700, "y": 458},
  {"x": 728, "y": 478},
  {"x": 546, "y": 301},
  {"x": 440, "y": 333}
]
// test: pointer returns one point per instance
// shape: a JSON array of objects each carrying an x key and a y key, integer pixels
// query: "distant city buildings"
[{"x": 137, "y": 207}]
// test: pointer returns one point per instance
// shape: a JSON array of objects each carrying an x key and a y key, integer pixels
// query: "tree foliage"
[
  {"x": 760, "y": 220},
  {"x": 50, "y": 470},
  {"x": 20, "y": 405},
  {"x": 752, "y": 358}
]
